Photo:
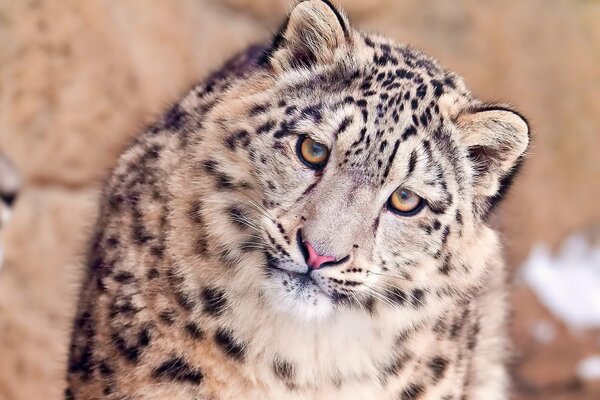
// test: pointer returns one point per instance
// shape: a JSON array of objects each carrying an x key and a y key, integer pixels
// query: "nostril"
[
  {"x": 313, "y": 259},
  {"x": 301, "y": 245}
]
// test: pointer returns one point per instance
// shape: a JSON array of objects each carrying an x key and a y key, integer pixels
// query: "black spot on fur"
[
  {"x": 446, "y": 266},
  {"x": 69, "y": 394},
  {"x": 396, "y": 295},
  {"x": 343, "y": 126},
  {"x": 394, "y": 367},
  {"x": 418, "y": 298},
  {"x": 408, "y": 132},
  {"x": 473, "y": 335},
  {"x": 313, "y": 112},
  {"x": 457, "y": 324},
  {"x": 412, "y": 392},
  {"x": 459, "y": 218},
  {"x": 237, "y": 217},
  {"x": 178, "y": 370},
  {"x": 168, "y": 316},
  {"x": 412, "y": 163},
  {"x": 391, "y": 159},
  {"x": 266, "y": 127},
  {"x": 194, "y": 331},
  {"x": 257, "y": 109},
  {"x": 214, "y": 301},
  {"x": 438, "y": 367},
  {"x": 131, "y": 351},
  {"x": 224, "y": 339},
  {"x": 283, "y": 369},
  {"x": 175, "y": 118},
  {"x": 222, "y": 180}
]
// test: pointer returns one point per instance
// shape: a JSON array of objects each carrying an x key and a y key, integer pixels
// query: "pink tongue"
[{"x": 314, "y": 259}]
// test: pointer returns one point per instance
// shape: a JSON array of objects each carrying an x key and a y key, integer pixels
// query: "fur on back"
[{"x": 197, "y": 286}]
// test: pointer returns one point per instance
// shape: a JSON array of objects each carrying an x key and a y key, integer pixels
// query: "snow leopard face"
[{"x": 367, "y": 170}]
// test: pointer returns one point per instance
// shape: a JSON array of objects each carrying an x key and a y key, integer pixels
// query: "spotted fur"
[{"x": 196, "y": 283}]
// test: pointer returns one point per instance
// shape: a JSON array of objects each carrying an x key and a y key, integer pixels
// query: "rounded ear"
[
  {"x": 497, "y": 138},
  {"x": 312, "y": 33}
]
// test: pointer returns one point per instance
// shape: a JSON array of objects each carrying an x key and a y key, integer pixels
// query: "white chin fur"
[{"x": 306, "y": 303}]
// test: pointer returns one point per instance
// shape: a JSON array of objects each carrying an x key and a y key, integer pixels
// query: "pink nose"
[{"x": 315, "y": 260}]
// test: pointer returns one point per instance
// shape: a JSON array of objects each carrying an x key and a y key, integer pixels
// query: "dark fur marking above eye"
[
  {"x": 343, "y": 126},
  {"x": 178, "y": 370},
  {"x": 285, "y": 129},
  {"x": 313, "y": 112},
  {"x": 412, "y": 162},
  {"x": 391, "y": 159},
  {"x": 224, "y": 339},
  {"x": 266, "y": 127},
  {"x": 215, "y": 301}
]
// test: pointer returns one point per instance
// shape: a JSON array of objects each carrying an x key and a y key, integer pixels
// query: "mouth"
[{"x": 301, "y": 280}]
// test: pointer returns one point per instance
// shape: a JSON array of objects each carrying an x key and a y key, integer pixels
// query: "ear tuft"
[
  {"x": 497, "y": 138},
  {"x": 313, "y": 32}
]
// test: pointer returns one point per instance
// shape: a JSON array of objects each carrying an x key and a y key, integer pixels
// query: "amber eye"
[
  {"x": 312, "y": 153},
  {"x": 405, "y": 202}
]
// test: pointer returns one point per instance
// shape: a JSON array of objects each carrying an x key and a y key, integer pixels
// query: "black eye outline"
[
  {"x": 310, "y": 165},
  {"x": 411, "y": 213}
]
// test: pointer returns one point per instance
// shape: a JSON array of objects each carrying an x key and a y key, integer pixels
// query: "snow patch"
[
  {"x": 567, "y": 283},
  {"x": 589, "y": 368}
]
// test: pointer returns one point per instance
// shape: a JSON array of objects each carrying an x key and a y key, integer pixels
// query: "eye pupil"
[{"x": 316, "y": 149}]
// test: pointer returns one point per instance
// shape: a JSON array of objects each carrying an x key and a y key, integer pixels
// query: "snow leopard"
[{"x": 309, "y": 222}]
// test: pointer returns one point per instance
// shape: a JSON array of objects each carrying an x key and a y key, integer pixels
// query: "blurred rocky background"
[{"x": 79, "y": 78}]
